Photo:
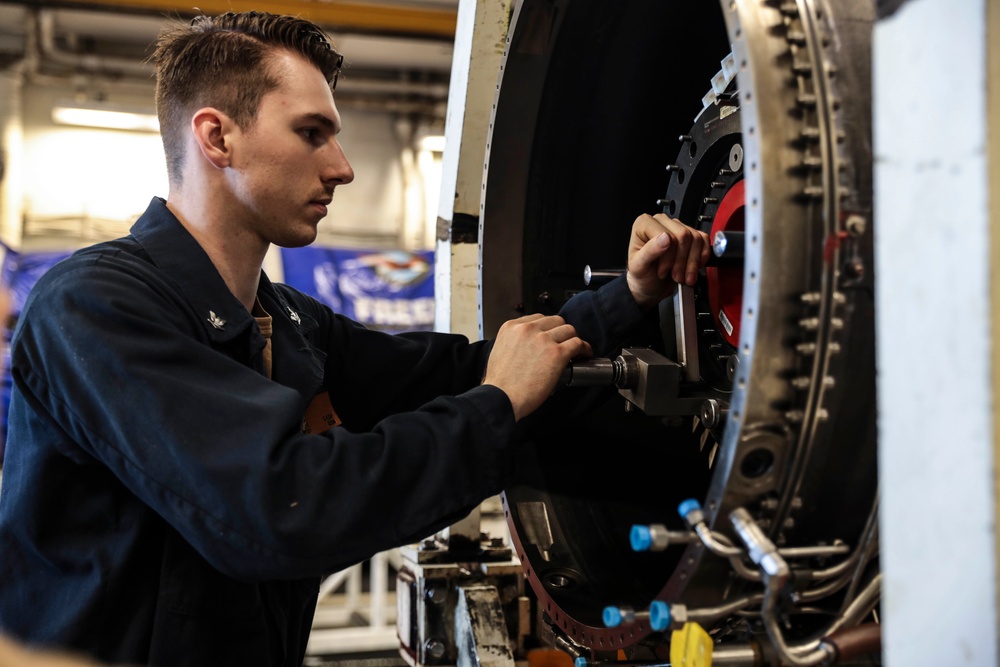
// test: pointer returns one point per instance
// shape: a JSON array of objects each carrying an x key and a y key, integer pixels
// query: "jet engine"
[{"x": 716, "y": 489}]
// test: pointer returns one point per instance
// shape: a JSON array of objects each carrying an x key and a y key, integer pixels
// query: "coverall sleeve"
[
  {"x": 216, "y": 449},
  {"x": 385, "y": 375}
]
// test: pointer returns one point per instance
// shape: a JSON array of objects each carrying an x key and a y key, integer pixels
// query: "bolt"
[
  {"x": 732, "y": 365},
  {"x": 769, "y": 504},
  {"x": 854, "y": 269},
  {"x": 436, "y": 594},
  {"x": 712, "y": 413},
  {"x": 855, "y": 225},
  {"x": 435, "y": 648},
  {"x": 736, "y": 157}
]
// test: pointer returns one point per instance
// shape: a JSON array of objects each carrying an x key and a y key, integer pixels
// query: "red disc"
[{"x": 725, "y": 284}]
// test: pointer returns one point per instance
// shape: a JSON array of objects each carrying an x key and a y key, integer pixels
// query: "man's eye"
[{"x": 311, "y": 134}]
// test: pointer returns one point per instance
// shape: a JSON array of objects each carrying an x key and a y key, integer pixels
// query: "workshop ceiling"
[
  {"x": 398, "y": 38},
  {"x": 428, "y": 18}
]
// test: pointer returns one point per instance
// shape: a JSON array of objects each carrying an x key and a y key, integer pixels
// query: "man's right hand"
[{"x": 528, "y": 357}]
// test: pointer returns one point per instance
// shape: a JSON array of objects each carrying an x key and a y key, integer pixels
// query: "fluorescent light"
[
  {"x": 433, "y": 143},
  {"x": 102, "y": 114}
]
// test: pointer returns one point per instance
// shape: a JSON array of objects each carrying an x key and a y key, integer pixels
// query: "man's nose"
[{"x": 338, "y": 170}]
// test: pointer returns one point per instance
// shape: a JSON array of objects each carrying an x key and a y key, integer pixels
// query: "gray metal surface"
[{"x": 481, "y": 629}]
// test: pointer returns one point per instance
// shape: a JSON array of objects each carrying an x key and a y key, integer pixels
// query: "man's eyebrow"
[{"x": 326, "y": 122}]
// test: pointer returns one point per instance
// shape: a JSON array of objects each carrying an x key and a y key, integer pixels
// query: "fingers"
[
  {"x": 553, "y": 324},
  {"x": 560, "y": 336},
  {"x": 675, "y": 249},
  {"x": 658, "y": 252},
  {"x": 577, "y": 348},
  {"x": 564, "y": 335},
  {"x": 528, "y": 356},
  {"x": 698, "y": 257}
]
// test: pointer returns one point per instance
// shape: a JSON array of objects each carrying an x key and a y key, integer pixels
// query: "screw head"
[
  {"x": 855, "y": 224},
  {"x": 434, "y": 648},
  {"x": 736, "y": 157},
  {"x": 854, "y": 269},
  {"x": 732, "y": 365},
  {"x": 436, "y": 594},
  {"x": 710, "y": 413}
]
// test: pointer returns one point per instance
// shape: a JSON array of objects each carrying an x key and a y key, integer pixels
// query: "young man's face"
[{"x": 285, "y": 167}]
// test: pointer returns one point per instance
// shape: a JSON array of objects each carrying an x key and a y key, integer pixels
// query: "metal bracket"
[{"x": 481, "y": 629}]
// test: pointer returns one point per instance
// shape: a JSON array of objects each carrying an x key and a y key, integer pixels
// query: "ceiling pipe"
[
  {"x": 429, "y": 110},
  {"x": 351, "y": 86},
  {"x": 116, "y": 67},
  {"x": 382, "y": 18},
  {"x": 83, "y": 61}
]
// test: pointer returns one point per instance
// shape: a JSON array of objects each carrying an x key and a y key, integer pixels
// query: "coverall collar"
[{"x": 175, "y": 251}]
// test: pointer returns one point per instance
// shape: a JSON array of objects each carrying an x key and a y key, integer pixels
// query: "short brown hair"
[{"x": 221, "y": 62}]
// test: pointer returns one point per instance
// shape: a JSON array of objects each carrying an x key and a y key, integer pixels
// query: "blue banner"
[
  {"x": 20, "y": 272},
  {"x": 390, "y": 290},
  {"x": 18, "y": 275}
]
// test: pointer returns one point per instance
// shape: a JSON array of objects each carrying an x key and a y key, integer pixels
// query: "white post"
[
  {"x": 479, "y": 43},
  {"x": 12, "y": 148},
  {"x": 354, "y": 584},
  {"x": 378, "y": 590},
  {"x": 935, "y": 391}
]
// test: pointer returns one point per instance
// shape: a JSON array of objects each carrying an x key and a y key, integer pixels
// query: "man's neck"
[{"x": 236, "y": 253}]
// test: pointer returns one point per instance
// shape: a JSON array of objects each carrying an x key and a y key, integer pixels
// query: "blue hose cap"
[
  {"x": 659, "y": 615},
  {"x": 687, "y": 507},
  {"x": 612, "y": 617},
  {"x": 580, "y": 662},
  {"x": 641, "y": 538}
]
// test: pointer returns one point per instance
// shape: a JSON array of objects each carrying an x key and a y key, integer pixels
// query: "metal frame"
[{"x": 348, "y": 621}]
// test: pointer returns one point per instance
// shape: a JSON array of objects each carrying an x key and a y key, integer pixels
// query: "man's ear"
[{"x": 212, "y": 132}]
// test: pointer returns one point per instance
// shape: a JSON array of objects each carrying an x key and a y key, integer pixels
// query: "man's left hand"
[{"x": 662, "y": 253}]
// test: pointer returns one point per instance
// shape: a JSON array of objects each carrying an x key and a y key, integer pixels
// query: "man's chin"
[{"x": 299, "y": 240}]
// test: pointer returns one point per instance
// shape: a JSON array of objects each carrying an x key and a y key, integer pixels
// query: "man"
[{"x": 191, "y": 446}]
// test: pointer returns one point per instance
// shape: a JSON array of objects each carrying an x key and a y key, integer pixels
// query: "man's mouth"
[{"x": 321, "y": 204}]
